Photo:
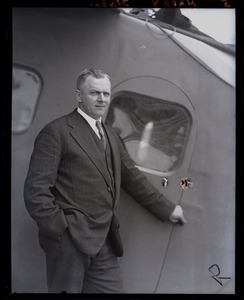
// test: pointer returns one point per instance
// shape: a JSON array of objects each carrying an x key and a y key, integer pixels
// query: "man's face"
[{"x": 94, "y": 97}]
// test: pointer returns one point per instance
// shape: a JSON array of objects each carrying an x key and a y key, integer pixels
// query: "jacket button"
[{"x": 109, "y": 189}]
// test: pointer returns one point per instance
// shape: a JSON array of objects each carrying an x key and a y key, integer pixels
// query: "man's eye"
[{"x": 97, "y": 93}]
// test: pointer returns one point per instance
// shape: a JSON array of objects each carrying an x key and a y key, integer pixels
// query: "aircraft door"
[{"x": 156, "y": 121}]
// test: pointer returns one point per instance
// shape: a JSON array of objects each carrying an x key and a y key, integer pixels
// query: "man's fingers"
[
  {"x": 182, "y": 220},
  {"x": 177, "y": 216}
]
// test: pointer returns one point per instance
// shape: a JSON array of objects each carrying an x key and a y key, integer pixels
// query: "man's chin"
[{"x": 100, "y": 112}]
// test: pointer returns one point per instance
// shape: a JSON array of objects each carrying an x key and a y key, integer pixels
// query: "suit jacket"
[{"x": 67, "y": 185}]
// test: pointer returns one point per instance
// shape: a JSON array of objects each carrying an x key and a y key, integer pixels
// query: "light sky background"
[{"x": 218, "y": 23}]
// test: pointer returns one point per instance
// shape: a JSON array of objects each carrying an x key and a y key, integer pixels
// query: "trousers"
[{"x": 71, "y": 271}]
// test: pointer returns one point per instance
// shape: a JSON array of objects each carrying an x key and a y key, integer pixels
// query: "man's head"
[{"x": 93, "y": 92}]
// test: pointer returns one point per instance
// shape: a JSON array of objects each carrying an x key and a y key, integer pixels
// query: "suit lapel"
[{"x": 83, "y": 138}]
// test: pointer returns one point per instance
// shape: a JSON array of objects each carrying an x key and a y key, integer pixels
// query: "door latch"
[{"x": 186, "y": 183}]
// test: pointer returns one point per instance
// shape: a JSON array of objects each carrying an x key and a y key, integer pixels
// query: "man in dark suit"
[{"x": 72, "y": 189}]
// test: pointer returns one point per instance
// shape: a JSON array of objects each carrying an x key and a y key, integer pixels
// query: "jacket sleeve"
[
  {"x": 40, "y": 180},
  {"x": 140, "y": 188}
]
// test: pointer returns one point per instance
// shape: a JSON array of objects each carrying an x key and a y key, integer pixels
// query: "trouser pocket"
[{"x": 64, "y": 243}]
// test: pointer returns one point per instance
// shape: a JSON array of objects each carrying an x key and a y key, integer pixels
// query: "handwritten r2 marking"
[{"x": 215, "y": 270}]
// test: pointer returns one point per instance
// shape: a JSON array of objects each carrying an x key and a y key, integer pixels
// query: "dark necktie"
[{"x": 101, "y": 133}]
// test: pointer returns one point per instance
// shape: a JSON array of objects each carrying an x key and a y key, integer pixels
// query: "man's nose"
[{"x": 101, "y": 97}]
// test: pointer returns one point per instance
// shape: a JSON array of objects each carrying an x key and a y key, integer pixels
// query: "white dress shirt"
[{"x": 90, "y": 120}]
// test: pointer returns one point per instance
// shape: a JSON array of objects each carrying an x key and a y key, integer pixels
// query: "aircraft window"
[
  {"x": 26, "y": 87},
  {"x": 154, "y": 131}
]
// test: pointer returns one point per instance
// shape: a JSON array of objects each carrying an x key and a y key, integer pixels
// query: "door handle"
[{"x": 165, "y": 182}]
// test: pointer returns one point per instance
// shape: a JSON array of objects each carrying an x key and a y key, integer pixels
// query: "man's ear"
[{"x": 78, "y": 95}]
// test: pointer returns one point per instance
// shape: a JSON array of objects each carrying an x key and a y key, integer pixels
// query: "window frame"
[
  {"x": 187, "y": 136},
  {"x": 36, "y": 73}
]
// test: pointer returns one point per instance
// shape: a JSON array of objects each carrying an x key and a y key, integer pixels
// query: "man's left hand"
[{"x": 177, "y": 216}]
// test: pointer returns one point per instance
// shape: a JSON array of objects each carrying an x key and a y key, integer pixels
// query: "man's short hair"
[{"x": 90, "y": 72}]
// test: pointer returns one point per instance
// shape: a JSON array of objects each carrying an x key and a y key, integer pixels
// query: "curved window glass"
[
  {"x": 26, "y": 88},
  {"x": 154, "y": 131}
]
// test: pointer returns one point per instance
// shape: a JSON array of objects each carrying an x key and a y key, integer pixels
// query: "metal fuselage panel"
[{"x": 59, "y": 44}]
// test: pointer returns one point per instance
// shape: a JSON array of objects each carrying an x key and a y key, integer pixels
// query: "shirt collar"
[{"x": 90, "y": 120}]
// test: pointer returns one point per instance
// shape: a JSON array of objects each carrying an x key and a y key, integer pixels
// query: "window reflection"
[
  {"x": 26, "y": 86},
  {"x": 154, "y": 131}
]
